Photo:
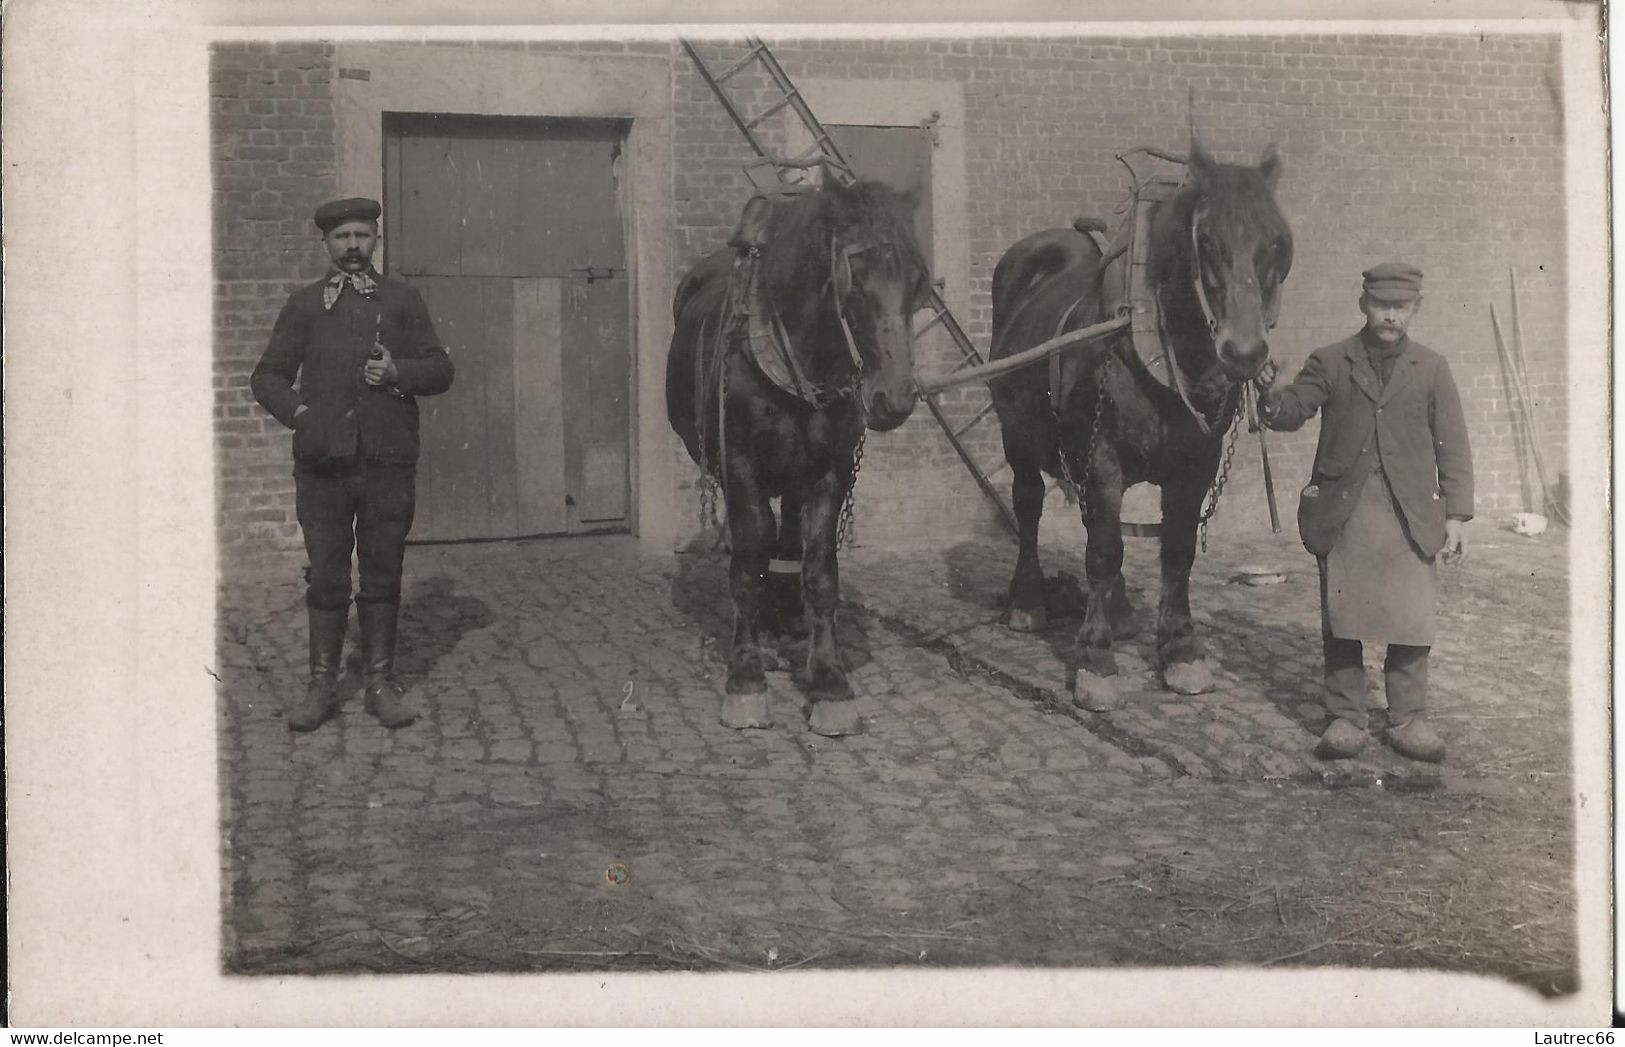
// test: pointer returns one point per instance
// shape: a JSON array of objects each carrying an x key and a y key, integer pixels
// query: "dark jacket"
[
  {"x": 1414, "y": 425},
  {"x": 326, "y": 350}
]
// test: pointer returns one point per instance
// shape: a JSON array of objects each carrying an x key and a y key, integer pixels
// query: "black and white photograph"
[{"x": 811, "y": 521}]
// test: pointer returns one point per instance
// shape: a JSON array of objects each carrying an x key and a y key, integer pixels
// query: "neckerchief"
[{"x": 362, "y": 283}]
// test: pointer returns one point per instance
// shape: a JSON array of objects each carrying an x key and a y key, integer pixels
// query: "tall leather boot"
[
  {"x": 385, "y": 699},
  {"x": 326, "y": 652}
]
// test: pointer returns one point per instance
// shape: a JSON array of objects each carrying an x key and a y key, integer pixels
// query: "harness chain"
[
  {"x": 1089, "y": 451},
  {"x": 843, "y": 529},
  {"x": 1215, "y": 490},
  {"x": 711, "y": 483},
  {"x": 712, "y": 473},
  {"x": 1211, "y": 508}
]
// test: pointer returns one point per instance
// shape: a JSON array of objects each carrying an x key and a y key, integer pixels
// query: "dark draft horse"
[
  {"x": 1219, "y": 249},
  {"x": 839, "y": 268}
]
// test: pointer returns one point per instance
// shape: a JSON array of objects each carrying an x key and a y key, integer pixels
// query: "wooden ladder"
[{"x": 793, "y": 171}]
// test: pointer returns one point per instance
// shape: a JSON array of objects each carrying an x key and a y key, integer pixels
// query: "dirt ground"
[{"x": 570, "y": 801}]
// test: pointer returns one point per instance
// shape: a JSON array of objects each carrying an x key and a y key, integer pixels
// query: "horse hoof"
[
  {"x": 1097, "y": 694},
  {"x": 834, "y": 719},
  {"x": 1028, "y": 621},
  {"x": 740, "y": 711},
  {"x": 1188, "y": 677},
  {"x": 827, "y": 687}
]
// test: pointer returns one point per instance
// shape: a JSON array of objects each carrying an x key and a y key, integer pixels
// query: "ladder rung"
[
  {"x": 739, "y": 66},
  {"x": 977, "y": 417},
  {"x": 769, "y": 111},
  {"x": 936, "y": 319}
]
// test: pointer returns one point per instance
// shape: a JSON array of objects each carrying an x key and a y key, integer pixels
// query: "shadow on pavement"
[{"x": 435, "y": 616}]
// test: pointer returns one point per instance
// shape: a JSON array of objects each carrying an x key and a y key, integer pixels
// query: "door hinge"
[{"x": 595, "y": 272}]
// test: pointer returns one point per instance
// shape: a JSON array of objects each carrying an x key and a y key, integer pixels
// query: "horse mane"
[{"x": 796, "y": 259}]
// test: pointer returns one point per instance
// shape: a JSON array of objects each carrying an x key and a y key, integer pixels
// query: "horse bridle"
[
  {"x": 1198, "y": 283},
  {"x": 840, "y": 261},
  {"x": 1175, "y": 372},
  {"x": 1196, "y": 272}
]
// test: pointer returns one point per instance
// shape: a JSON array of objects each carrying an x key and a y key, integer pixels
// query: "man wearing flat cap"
[
  {"x": 1391, "y": 491},
  {"x": 362, "y": 348}
]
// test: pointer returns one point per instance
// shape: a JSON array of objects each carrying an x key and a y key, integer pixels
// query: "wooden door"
[
  {"x": 511, "y": 228},
  {"x": 897, "y": 156}
]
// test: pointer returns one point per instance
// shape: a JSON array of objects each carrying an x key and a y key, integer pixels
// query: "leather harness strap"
[{"x": 1057, "y": 392}]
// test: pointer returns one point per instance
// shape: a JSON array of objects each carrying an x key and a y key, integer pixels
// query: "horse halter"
[
  {"x": 840, "y": 285},
  {"x": 1196, "y": 272}
]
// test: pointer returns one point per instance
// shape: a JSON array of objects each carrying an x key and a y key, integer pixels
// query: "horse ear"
[
  {"x": 1202, "y": 164},
  {"x": 1270, "y": 166}
]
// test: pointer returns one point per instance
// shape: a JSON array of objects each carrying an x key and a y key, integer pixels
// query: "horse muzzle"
[
  {"x": 883, "y": 411},
  {"x": 1243, "y": 359}
]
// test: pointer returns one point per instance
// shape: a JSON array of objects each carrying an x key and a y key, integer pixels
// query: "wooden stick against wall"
[
  {"x": 1515, "y": 389},
  {"x": 1524, "y": 390}
]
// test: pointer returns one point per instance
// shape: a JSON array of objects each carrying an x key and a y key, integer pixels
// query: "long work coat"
[{"x": 1409, "y": 438}]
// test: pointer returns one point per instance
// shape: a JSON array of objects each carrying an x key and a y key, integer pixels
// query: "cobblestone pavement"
[{"x": 571, "y": 802}]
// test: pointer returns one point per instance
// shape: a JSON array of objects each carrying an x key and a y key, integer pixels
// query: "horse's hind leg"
[
  {"x": 1179, "y": 648},
  {"x": 1027, "y": 611},
  {"x": 834, "y": 711},
  {"x": 750, "y": 523}
]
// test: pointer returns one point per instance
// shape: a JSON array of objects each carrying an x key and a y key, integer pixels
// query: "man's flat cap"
[
  {"x": 355, "y": 208},
  {"x": 1393, "y": 282}
]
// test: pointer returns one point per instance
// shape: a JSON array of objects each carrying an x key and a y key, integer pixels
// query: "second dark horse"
[
  {"x": 838, "y": 278},
  {"x": 1217, "y": 253}
]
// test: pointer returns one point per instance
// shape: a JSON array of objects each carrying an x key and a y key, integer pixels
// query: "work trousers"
[
  {"x": 365, "y": 508},
  {"x": 1404, "y": 674}
]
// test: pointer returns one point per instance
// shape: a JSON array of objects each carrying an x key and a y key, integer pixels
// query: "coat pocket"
[
  {"x": 322, "y": 436},
  {"x": 1311, "y": 520}
]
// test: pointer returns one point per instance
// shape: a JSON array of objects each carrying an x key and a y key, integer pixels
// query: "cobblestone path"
[{"x": 570, "y": 801}]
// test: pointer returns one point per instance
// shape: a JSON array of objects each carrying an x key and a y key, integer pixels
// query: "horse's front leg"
[
  {"x": 750, "y": 525},
  {"x": 1096, "y": 690},
  {"x": 834, "y": 710},
  {"x": 783, "y": 612},
  {"x": 1179, "y": 650}
]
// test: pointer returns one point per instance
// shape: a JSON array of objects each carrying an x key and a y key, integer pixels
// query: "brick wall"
[{"x": 1446, "y": 152}]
